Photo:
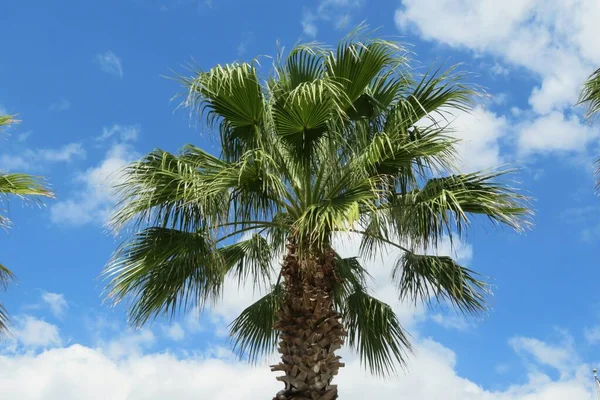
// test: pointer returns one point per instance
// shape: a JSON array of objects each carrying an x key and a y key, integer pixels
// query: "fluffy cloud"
[
  {"x": 110, "y": 63},
  {"x": 33, "y": 333},
  {"x": 479, "y": 132},
  {"x": 77, "y": 372},
  {"x": 92, "y": 200},
  {"x": 127, "y": 367},
  {"x": 550, "y": 39},
  {"x": 555, "y": 132}
]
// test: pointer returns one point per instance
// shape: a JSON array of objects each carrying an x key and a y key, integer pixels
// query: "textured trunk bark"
[{"x": 311, "y": 331}]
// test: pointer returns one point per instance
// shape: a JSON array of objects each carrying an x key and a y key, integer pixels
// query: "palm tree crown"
[
  {"x": 333, "y": 142},
  {"x": 22, "y": 186}
]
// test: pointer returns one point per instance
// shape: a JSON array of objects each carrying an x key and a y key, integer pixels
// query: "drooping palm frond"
[
  {"x": 442, "y": 206},
  {"x": 429, "y": 277},
  {"x": 250, "y": 259},
  {"x": 165, "y": 270},
  {"x": 374, "y": 332},
  {"x": 252, "y": 331}
]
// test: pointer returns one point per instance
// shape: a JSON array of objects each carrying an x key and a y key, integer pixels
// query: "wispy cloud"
[
  {"x": 60, "y": 105},
  {"x": 110, "y": 63},
  {"x": 34, "y": 159},
  {"x": 174, "y": 332},
  {"x": 126, "y": 133},
  {"x": 456, "y": 322},
  {"x": 92, "y": 200},
  {"x": 336, "y": 12},
  {"x": 246, "y": 41},
  {"x": 56, "y": 302}
]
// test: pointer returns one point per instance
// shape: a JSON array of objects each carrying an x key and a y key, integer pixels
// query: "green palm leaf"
[
  {"x": 374, "y": 332},
  {"x": 252, "y": 331},
  {"x": 427, "y": 277},
  {"x": 165, "y": 270},
  {"x": 590, "y": 94}
]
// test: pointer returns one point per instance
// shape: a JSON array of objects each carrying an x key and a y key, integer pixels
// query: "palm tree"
[
  {"x": 334, "y": 142},
  {"x": 22, "y": 186}
]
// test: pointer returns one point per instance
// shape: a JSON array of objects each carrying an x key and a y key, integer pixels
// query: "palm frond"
[
  {"x": 168, "y": 190},
  {"x": 302, "y": 115},
  {"x": 231, "y": 98},
  {"x": 6, "y": 120},
  {"x": 438, "y": 93},
  {"x": 252, "y": 331},
  {"x": 590, "y": 95},
  {"x": 375, "y": 333},
  {"x": 356, "y": 64},
  {"x": 250, "y": 259},
  {"x": 6, "y": 276},
  {"x": 163, "y": 271},
  {"x": 22, "y": 185},
  {"x": 426, "y": 278},
  {"x": 443, "y": 205}
]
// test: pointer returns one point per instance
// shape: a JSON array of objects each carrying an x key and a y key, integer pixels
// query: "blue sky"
[{"x": 87, "y": 79}]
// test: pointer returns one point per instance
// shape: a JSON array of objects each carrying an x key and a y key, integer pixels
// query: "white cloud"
[
  {"x": 33, "y": 159},
  {"x": 56, "y": 302},
  {"x": 550, "y": 39},
  {"x": 174, "y": 332},
  {"x": 60, "y": 105},
  {"x": 309, "y": 27},
  {"x": 32, "y": 333},
  {"x": 555, "y": 132},
  {"x": 126, "y": 133},
  {"x": 92, "y": 200},
  {"x": 65, "y": 153},
  {"x": 76, "y": 372},
  {"x": 479, "y": 132},
  {"x": 129, "y": 344},
  {"x": 110, "y": 63}
]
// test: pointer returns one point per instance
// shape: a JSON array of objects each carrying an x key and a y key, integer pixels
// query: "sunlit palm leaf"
[
  {"x": 443, "y": 205},
  {"x": 230, "y": 97},
  {"x": 590, "y": 95}
]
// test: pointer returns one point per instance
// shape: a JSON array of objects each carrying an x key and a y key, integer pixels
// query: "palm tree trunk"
[{"x": 310, "y": 328}]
